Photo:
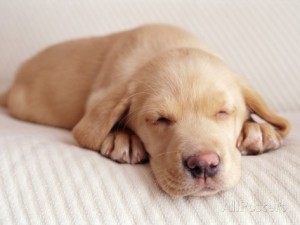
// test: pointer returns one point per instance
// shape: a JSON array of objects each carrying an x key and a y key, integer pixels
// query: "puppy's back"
[{"x": 53, "y": 87}]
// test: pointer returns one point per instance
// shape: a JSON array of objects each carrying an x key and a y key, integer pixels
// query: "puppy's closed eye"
[
  {"x": 222, "y": 114},
  {"x": 225, "y": 112},
  {"x": 163, "y": 120}
]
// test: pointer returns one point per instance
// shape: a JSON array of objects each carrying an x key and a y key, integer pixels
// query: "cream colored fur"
[{"x": 153, "y": 92}]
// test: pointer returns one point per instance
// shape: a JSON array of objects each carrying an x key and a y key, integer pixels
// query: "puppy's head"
[{"x": 188, "y": 111}]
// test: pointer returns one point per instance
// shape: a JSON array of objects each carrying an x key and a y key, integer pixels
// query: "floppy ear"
[
  {"x": 104, "y": 109},
  {"x": 258, "y": 106}
]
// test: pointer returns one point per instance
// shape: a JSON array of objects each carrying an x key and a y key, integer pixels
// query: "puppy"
[{"x": 152, "y": 92}]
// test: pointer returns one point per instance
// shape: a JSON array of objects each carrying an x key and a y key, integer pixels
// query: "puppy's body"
[
  {"x": 53, "y": 87},
  {"x": 181, "y": 102}
]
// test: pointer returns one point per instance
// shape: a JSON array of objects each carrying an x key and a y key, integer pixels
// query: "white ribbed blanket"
[{"x": 46, "y": 179}]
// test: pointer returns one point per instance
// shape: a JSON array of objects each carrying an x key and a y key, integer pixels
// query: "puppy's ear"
[
  {"x": 258, "y": 106},
  {"x": 104, "y": 109}
]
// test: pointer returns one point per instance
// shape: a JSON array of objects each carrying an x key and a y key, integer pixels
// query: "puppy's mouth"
[
  {"x": 199, "y": 174},
  {"x": 190, "y": 188},
  {"x": 204, "y": 186},
  {"x": 180, "y": 184},
  {"x": 205, "y": 189}
]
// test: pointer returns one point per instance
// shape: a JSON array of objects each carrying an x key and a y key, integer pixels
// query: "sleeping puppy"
[{"x": 153, "y": 92}]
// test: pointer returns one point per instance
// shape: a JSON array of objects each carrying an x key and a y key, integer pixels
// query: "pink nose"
[{"x": 204, "y": 164}]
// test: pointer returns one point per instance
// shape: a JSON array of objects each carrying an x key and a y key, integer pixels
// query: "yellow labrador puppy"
[{"x": 155, "y": 92}]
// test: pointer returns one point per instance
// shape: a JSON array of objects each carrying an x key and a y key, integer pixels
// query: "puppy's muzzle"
[{"x": 203, "y": 165}]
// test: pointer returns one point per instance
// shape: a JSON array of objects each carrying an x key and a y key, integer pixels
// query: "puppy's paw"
[
  {"x": 257, "y": 138},
  {"x": 123, "y": 147}
]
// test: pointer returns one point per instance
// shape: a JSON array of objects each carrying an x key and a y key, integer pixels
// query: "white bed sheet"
[{"x": 46, "y": 179}]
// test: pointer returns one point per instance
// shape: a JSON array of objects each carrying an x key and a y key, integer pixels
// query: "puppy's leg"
[
  {"x": 124, "y": 147},
  {"x": 97, "y": 130},
  {"x": 256, "y": 138}
]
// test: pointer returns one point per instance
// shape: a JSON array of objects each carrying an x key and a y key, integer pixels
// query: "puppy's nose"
[{"x": 203, "y": 164}]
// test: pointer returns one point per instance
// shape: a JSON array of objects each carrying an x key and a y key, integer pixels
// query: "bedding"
[{"x": 46, "y": 178}]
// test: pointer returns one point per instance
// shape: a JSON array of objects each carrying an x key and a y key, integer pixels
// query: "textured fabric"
[{"x": 46, "y": 179}]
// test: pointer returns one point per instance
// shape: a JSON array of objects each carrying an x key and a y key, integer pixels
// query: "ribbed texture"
[
  {"x": 259, "y": 39},
  {"x": 46, "y": 179}
]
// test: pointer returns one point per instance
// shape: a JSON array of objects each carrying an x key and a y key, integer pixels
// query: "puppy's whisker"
[
  {"x": 165, "y": 153},
  {"x": 166, "y": 169},
  {"x": 172, "y": 181}
]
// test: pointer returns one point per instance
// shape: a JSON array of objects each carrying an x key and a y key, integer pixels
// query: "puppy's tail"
[{"x": 3, "y": 99}]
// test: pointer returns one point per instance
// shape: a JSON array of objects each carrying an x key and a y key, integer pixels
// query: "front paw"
[
  {"x": 123, "y": 147},
  {"x": 257, "y": 138}
]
